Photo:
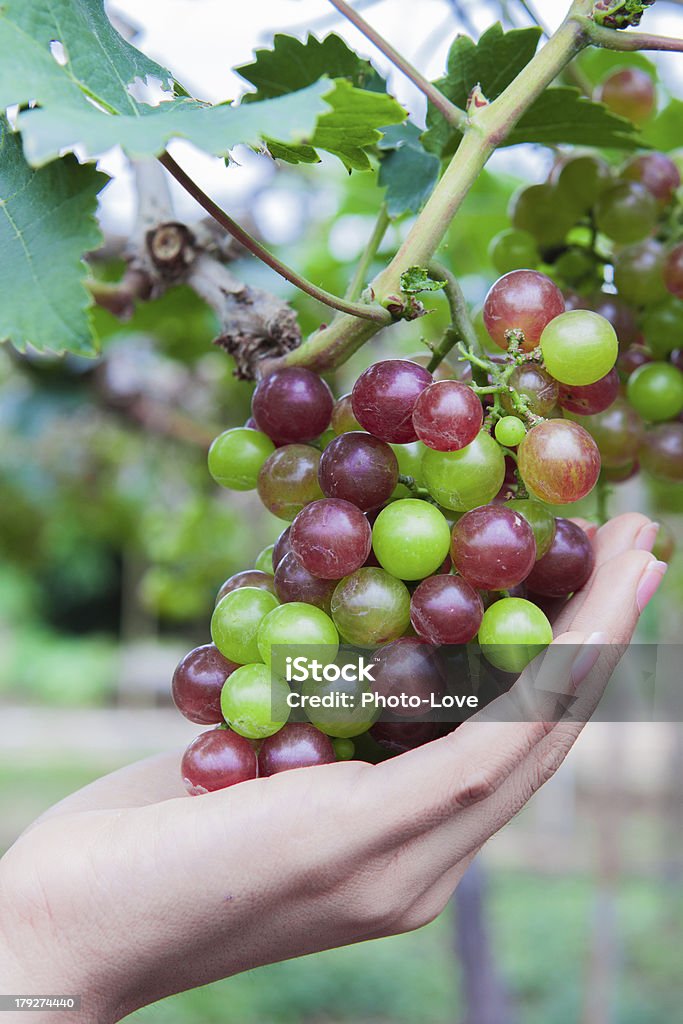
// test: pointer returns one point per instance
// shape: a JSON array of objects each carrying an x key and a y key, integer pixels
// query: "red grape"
[
  {"x": 217, "y": 759},
  {"x": 657, "y": 172},
  {"x": 534, "y": 385},
  {"x": 673, "y": 272},
  {"x": 282, "y": 547},
  {"x": 559, "y": 461},
  {"x": 331, "y": 538},
  {"x": 446, "y": 610},
  {"x": 447, "y": 416},
  {"x": 295, "y": 583},
  {"x": 662, "y": 452},
  {"x": 522, "y": 300},
  {"x": 493, "y": 547},
  {"x": 296, "y": 745},
  {"x": 629, "y": 361},
  {"x": 342, "y": 415},
  {"x": 288, "y": 480},
  {"x": 197, "y": 684},
  {"x": 408, "y": 666},
  {"x": 247, "y": 578},
  {"x": 292, "y": 405},
  {"x": 567, "y": 564},
  {"x": 359, "y": 468},
  {"x": 676, "y": 358},
  {"x": 398, "y": 736},
  {"x": 618, "y": 432},
  {"x": 629, "y": 92},
  {"x": 588, "y": 399},
  {"x": 384, "y": 398}
]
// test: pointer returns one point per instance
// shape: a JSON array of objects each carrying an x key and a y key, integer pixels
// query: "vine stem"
[
  {"x": 365, "y": 311},
  {"x": 358, "y": 280},
  {"x": 612, "y": 39},
  {"x": 454, "y": 115}
]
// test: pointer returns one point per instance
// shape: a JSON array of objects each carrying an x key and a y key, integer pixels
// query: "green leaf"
[
  {"x": 665, "y": 131},
  {"x": 415, "y": 280},
  {"x": 88, "y": 101},
  {"x": 408, "y": 172},
  {"x": 292, "y": 64},
  {"x": 560, "y": 115},
  {"x": 47, "y": 222}
]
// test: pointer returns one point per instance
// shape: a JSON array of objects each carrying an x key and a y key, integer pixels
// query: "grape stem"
[
  {"x": 365, "y": 311},
  {"x": 612, "y": 39},
  {"x": 461, "y": 327},
  {"x": 453, "y": 114},
  {"x": 358, "y": 280},
  {"x": 602, "y": 496}
]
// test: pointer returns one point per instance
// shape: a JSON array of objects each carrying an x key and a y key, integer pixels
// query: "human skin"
[{"x": 129, "y": 890}]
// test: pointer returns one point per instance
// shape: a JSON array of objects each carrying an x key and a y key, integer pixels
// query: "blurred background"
[{"x": 114, "y": 540}]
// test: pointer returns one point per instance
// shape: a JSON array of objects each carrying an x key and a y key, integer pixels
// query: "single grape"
[
  {"x": 409, "y": 464},
  {"x": 676, "y": 358},
  {"x": 331, "y": 538},
  {"x": 588, "y": 399},
  {"x": 513, "y": 631},
  {"x": 281, "y": 547},
  {"x": 236, "y": 456},
  {"x": 665, "y": 544},
  {"x": 579, "y": 347},
  {"x": 663, "y": 327},
  {"x": 575, "y": 266},
  {"x": 493, "y": 547},
  {"x": 400, "y": 736},
  {"x": 621, "y": 316},
  {"x": 626, "y": 213},
  {"x": 566, "y": 566},
  {"x": 359, "y": 468},
  {"x": 559, "y": 462},
  {"x": 344, "y": 749},
  {"x": 523, "y": 300},
  {"x": 336, "y": 719},
  {"x": 247, "y": 578},
  {"x": 235, "y": 623},
  {"x": 629, "y": 361},
  {"x": 639, "y": 272},
  {"x": 384, "y": 398},
  {"x": 535, "y": 386},
  {"x": 620, "y": 474},
  {"x": 264, "y": 560},
  {"x": 582, "y": 179},
  {"x": 540, "y": 519},
  {"x": 295, "y": 583},
  {"x": 291, "y": 627},
  {"x": 673, "y": 272},
  {"x": 342, "y": 416},
  {"x": 410, "y": 538},
  {"x": 618, "y": 432},
  {"x": 462, "y": 480},
  {"x": 662, "y": 452},
  {"x": 657, "y": 172},
  {"x": 447, "y": 416},
  {"x": 509, "y": 431},
  {"x": 629, "y": 92},
  {"x": 404, "y": 669},
  {"x": 217, "y": 759},
  {"x": 513, "y": 249},
  {"x": 446, "y": 610},
  {"x": 371, "y": 607},
  {"x": 254, "y": 702},
  {"x": 197, "y": 684},
  {"x": 288, "y": 480},
  {"x": 544, "y": 213},
  {"x": 656, "y": 391},
  {"x": 292, "y": 405},
  {"x": 296, "y": 745}
]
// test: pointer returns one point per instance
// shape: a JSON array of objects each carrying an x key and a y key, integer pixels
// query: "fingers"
[{"x": 617, "y": 594}]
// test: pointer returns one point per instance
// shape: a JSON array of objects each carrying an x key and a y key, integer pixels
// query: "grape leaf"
[
  {"x": 47, "y": 222},
  {"x": 292, "y": 64},
  {"x": 87, "y": 101},
  {"x": 559, "y": 115},
  {"x": 416, "y": 280},
  {"x": 665, "y": 131},
  {"x": 408, "y": 172}
]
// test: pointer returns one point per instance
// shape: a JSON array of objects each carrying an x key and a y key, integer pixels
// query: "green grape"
[
  {"x": 409, "y": 457},
  {"x": 410, "y": 539},
  {"x": 626, "y": 213},
  {"x": 512, "y": 633},
  {"x": 655, "y": 390},
  {"x": 665, "y": 544},
  {"x": 579, "y": 347},
  {"x": 575, "y": 266},
  {"x": 513, "y": 249},
  {"x": 467, "y": 478},
  {"x": 344, "y": 749},
  {"x": 639, "y": 273},
  {"x": 254, "y": 703},
  {"x": 546, "y": 215},
  {"x": 336, "y": 721},
  {"x": 235, "y": 623},
  {"x": 583, "y": 179},
  {"x": 236, "y": 456},
  {"x": 294, "y": 626},
  {"x": 540, "y": 519},
  {"x": 264, "y": 560},
  {"x": 663, "y": 328},
  {"x": 370, "y": 607},
  {"x": 510, "y": 431}
]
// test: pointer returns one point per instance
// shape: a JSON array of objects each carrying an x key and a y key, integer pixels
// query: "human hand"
[{"x": 129, "y": 891}]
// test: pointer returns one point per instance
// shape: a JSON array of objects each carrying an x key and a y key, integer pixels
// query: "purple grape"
[
  {"x": 384, "y": 398},
  {"x": 587, "y": 399},
  {"x": 566, "y": 566},
  {"x": 296, "y": 745},
  {"x": 331, "y": 538},
  {"x": 295, "y": 583},
  {"x": 400, "y": 736},
  {"x": 447, "y": 416},
  {"x": 247, "y": 578},
  {"x": 282, "y": 547},
  {"x": 408, "y": 667},
  {"x": 217, "y": 759},
  {"x": 197, "y": 684},
  {"x": 662, "y": 452},
  {"x": 359, "y": 468},
  {"x": 292, "y": 405},
  {"x": 493, "y": 547},
  {"x": 446, "y": 610}
]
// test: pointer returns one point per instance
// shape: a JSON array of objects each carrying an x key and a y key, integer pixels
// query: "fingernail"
[
  {"x": 646, "y": 537},
  {"x": 587, "y": 657},
  {"x": 649, "y": 583},
  {"x": 590, "y": 530}
]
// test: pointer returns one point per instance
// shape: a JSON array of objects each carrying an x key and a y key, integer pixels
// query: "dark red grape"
[
  {"x": 673, "y": 272},
  {"x": 247, "y": 578},
  {"x": 588, "y": 399},
  {"x": 447, "y": 416},
  {"x": 522, "y": 300},
  {"x": 662, "y": 452},
  {"x": 295, "y": 583},
  {"x": 493, "y": 547},
  {"x": 288, "y": 480},
  {"x": 559, "y": 461},
  {"x": 629, "y": 361},
  {"x": 359, "y": 468},
  {"x": 446, "y": 610},
  {"x": 217, "y": 759},
  {"x": 398, "y": 737},
  {"x": 534, "y": 385},
  {"x": 292, "y": 405},
  {"x": 676, "y": 358},
  {"x": 296, "y": 745},
  {"x": 615, "y": 309},
  {"x": 197, "y": 684},
  {"x": 384, "y": 398},
  {"x": 657, "y": 172},
  {"x": 282, "y": 547},
  {"x": 566, "y": 566},
  {"x": 410, "y": 667},
  {"x": 629, "y": 92},
  {"x": 618, "y": 432},
  {"x": 331, "y": 538}
]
